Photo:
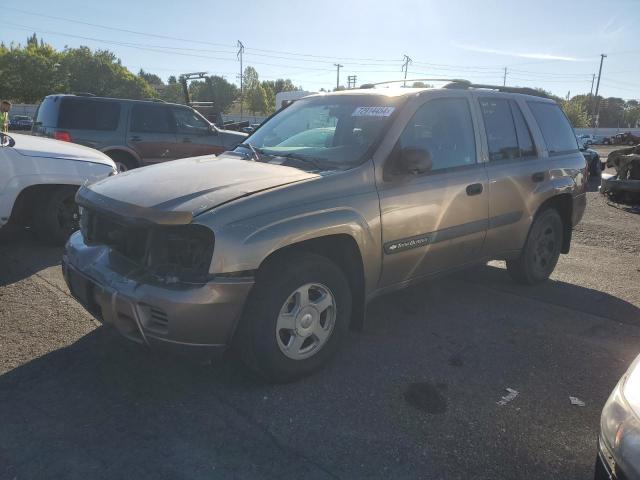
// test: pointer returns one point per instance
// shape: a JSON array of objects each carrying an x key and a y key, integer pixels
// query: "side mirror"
[
  {"x": 213, "y": 130},
  {"x": 415, "y": 160}
]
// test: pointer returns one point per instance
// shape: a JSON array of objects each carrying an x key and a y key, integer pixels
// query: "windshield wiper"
[
  {"x": 296, "y": 156},
  {"x": 255, "y": 153}
]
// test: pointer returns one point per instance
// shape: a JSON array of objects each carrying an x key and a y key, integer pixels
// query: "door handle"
[
  {"x": 538, "y": 177},
  {"x": 186, "y": 140},
  {"x": 474, "y": 189},
  {"x": 135, "y": 139}
]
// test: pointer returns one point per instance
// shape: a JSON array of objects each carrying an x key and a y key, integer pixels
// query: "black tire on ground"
[
  {"x": 255, "y": 338},
  {"x": 541, "y": 250},
  {"x": 123, "y": 161},
  {"x": 56, "y": 215}
]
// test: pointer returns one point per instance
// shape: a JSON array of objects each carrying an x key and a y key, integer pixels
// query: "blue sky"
[{"x": 555, "y": 45}]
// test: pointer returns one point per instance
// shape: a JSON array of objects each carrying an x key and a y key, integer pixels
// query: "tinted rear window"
[
  {"x": 83, "y": 114},
  {"x": 150, "y": 119},
  {"x": 47, "y": 114},
  {"x": 555, "y": 128}
]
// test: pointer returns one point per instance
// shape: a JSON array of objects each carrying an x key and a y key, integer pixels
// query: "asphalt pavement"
[{"x": 413, "y": 396}]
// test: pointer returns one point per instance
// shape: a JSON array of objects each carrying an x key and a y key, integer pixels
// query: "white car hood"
[{"x": 31, "y": 146}]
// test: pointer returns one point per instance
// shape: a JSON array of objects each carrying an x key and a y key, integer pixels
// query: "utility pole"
[
  {"x": 504, "y": 79},
  {"x": 405, "y": 67},
  {"x": 351, "y": 81},
  {"x": 597, "y": 108},
  {"x": 239, "y": 56},
  {"x": 338, "y": 66}
]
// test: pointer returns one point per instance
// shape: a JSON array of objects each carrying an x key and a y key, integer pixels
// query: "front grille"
[{"x": 172, "y": 253}]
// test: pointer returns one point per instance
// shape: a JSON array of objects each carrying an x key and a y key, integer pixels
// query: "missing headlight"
[{"x": 180, "y": 253}]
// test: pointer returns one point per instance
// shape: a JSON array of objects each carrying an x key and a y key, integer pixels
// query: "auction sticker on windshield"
[{"x": 373, "y": 111}]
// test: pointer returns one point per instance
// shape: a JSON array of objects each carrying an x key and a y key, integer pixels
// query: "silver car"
[
  {"x": 278, "y": 246},
  {"x": 619, "y": 441}
]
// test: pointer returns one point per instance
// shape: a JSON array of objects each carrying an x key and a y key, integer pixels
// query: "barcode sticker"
[{"x": 373, "y": 111}]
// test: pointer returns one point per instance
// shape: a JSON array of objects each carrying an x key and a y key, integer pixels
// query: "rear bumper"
[{"x": 194, "y": 319}]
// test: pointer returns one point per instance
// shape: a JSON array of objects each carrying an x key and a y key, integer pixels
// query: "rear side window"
[
  {"x": 47, "y": 114},
  {"x": 84, "y": 114},
  {"x": 525, "y": 142},
  {"x": 151, "y": 119},
  {"x": 501, "y": 132},
  {"x": 555, "y": 128}
]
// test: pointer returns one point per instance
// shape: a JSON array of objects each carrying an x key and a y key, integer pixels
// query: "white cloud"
[{"x": 537, "y": 56}]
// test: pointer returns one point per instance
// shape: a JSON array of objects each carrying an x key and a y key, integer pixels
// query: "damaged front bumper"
[{"x": 196, "y": 318}]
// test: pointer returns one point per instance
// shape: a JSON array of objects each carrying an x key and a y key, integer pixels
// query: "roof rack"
[
  {"x": 152, "y": 99},
  {"x": 83, "y": 94},
  {"x": 457, "y": 83},
  {"x": 404, "y": 80},
  {"x": 465, "y": 84}
]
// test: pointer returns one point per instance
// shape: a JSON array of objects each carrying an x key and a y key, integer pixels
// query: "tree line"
[{"x": 29, "y": 73}]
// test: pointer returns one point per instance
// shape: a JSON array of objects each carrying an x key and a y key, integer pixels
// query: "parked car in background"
[
  {"x": 587, "y": 139},
  {"x": 38, "y": 182},
  {"x": 594, "y": 163},
  {"x": 619, "y": 440},
  {"x": 278, "y": 246},
  {"x": 20, "y": 122},
  {"x": 626, "y": 138},
  {"x": 133, "y": 133}
]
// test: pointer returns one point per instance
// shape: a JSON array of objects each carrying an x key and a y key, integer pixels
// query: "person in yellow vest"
[{"x": 5, "y": 107}]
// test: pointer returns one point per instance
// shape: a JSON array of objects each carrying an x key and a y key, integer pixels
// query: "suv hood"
[
  {"x": 31, "y": 146},
  {"x": 174, "y": 192}
]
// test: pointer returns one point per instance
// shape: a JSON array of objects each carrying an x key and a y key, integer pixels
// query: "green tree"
[
  {"x": 258, "y": 99},
  {"x": 250, "y": 78},
  {"x": 101, "y": 73},
  {"x": 150, "y": 78},
  {"x": 215, "y": 89},
  {"x": 576, "y": 113},
  {"x": 29, "y": 73},
  {"x": 270, "y": 95}
]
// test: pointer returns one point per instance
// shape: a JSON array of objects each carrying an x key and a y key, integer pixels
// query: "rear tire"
[
  {"x": 541, "y": 250},
  {"x": 123, "y": 161},
  {"x": 282, "y": 354},
  {"x": 56, "y": 216}
]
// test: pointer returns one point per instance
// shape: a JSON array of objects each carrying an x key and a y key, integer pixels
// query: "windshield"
[{"x": 324, "y": 132}]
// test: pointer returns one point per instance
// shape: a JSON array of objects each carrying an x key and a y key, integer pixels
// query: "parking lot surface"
[{"x": 413, "y": 396}]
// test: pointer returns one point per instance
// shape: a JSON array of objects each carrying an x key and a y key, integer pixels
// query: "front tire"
[
  {"x": 541, "y": 250},
  {"x": 56, "y": 216},
  {"x": 296, "y": 317}
]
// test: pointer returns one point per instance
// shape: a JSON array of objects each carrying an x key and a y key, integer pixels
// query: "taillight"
[{"x": 63, "y": 136}]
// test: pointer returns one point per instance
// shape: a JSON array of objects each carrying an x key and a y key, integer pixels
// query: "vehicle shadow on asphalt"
[
  {"x": 555, "y": 292},
  {"x": 21, "y": 255},
  {"x": 102, "y": 407}
]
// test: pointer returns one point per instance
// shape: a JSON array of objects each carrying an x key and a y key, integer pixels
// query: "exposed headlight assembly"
[{"x": 620, "y": 425}]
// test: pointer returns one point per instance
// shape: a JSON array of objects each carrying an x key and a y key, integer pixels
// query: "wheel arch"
[
  {"x": 563, "y": 204},
  {"x": 343, "y": 250},
  {"x": 26, "y": 201},
  {"x": 121, "y": 150}
]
